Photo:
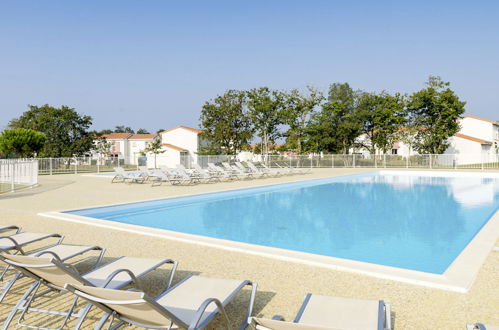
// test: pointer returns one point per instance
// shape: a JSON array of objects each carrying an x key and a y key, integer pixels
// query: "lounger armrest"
[
  {"x": 53, "y": 254},
  {"x": 8, "y": 228},
  {"x": 388, "y": 317},
  {"x": 119, "y": 271},
  {"x": 16, "y": 245},
  {"x": 201, "y": 310}
]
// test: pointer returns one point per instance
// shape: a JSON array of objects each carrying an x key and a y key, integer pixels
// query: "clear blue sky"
[{"x": 153, "y": 64}]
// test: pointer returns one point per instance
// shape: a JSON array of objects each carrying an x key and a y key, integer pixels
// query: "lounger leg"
[
  {"x": 9, "y": 285},
  {"x": 251, "y": 304},
  {"x": 83, "y": 313},
  {"x": 102, "y": 321},
  {"x": 13, "y": 312}
]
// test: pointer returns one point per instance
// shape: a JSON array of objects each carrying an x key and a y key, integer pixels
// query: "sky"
[{"x": 153, "y": 64}]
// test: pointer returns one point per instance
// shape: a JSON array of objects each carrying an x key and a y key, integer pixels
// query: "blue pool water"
[{"x": 394, "y": 218}]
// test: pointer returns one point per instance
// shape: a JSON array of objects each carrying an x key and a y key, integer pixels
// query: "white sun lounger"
[
  {"x": 229, "y": 175},
  {"x": 237, "y": 171},
  {"x": 326, "y": 312},
  {"x": 256, "y": 170},
  {"x": 271, "y": 171},
  {"x": 19, "y": 240},
  {"x": 122, "y": 176},
  {"x": 160, "y": 176},
  {"x": 205, "y": 175},
  {"x": 54, "y": 274},
  {"x": 190, "y": 304},
  {"x": 63, "y": 252}
]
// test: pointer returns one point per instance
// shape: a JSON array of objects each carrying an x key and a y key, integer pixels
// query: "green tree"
[
  {"x": 381, "y": 116},
  {"x": 155, "y": 148},
  {"x": 335, "y": 127},
  {"x": 102, "y": 146},
  {"x": 20, "y": 142},
  {"x": 297, "y": 112},
  {"x": 225, "y": 124},
  {"x": 435, "y": 110},
  {"x": 66, "y": 130},
  {"x": 265, "y": 109},
  {"x": 142, "y": 131},
  {"x": 123, "y": 129}
]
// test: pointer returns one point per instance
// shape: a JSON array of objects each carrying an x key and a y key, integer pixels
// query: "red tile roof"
[
  {"x": 171, "y": 146},
  {"x": 482, "y": 119},
  {"x": 195, "y": 130},
  {"x": 117, "y": 135},
  {"x": 142, "y": 136},
  {"x": 474, "y": 139}
]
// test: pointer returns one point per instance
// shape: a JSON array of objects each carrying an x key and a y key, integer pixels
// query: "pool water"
[{"x": 400, "y": 219}]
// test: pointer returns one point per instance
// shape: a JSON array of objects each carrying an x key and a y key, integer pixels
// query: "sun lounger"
[
  {"x": 55, "y": 274},
  {"x": 271, "y": 171},
  {"x": 237, "y": 171},
  {"x": 256, "y": 170},
  {"x": 325, "y": 312},
  {"x": 480, "y": 326},
  {"x": 185, "y": 173},
  {"x": 294, "y": 170},
  {"x": 160, "y": 176},
  {"x": 122, "y": 176},
  {"x": 19, "y": 240},
  {"x": 205, "y": 175},
  {"x": 229, "y": 175},
  {"x": 190, "y": 304},
  {"x": 63, "y": 252}
]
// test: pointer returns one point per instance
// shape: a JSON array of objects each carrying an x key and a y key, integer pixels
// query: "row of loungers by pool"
[
  {"x": 213, "y": 173},
  {"x": 189, "y": 304}
]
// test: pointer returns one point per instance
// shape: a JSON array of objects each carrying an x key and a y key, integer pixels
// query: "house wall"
[
  {"x": 170, "y": 158},
  {"x": 136, "y": 148},
  {"x": 466, "y": 151},
  {"x": 479, "y": 129},
  {"x": 182, "y": 138}
]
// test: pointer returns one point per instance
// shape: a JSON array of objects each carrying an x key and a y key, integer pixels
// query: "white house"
[
  {"x": 180, "y": 145},
  {"x": 477, "y": 136},
  {"x": 128, "y": 146},
  {"x": 477, "y": 141}
]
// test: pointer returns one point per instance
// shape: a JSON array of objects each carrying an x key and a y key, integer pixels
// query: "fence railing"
[
  {"x": 18, "y": 173},
  {"x": 75, "y": 165},
  {"x": 427, "y": 161}
]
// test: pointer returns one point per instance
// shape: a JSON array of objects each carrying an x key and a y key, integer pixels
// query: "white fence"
[
  {"x": 17, "y": 174},
  {"x": 428, "y": 161},
  {"x": 75, "y": 165}
]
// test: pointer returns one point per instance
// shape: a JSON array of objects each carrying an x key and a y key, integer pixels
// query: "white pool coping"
[{"x": 458, "y": 277}]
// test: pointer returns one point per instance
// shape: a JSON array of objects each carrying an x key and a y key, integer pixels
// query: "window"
[{"x": 394, "y": 151}]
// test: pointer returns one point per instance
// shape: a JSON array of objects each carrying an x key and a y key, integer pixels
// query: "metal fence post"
[
  {"x": 12, "y": 186},
  {"x": 76, "y": 165},
  {"x": 407, "y": 161},
  {"x": 431, "y": 162},
  {"x": 98, "y": 164},
  {"x": 384, "y": 160},
  {"x": 332, "y": 161},
  {"x": 50, "y": 165},
  {"x": 353, "y": 160}
]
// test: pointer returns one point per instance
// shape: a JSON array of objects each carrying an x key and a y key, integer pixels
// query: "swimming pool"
[{"x": 406, "y": 220}]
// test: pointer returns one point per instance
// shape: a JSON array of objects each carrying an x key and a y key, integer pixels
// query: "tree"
[
  {"x": 435, "y": 110},
  {"x": 102, "y": 146},
  {"x": 381, "y": 116},
  {"x": 155, "y": 148},
  {"x": 297, "y": 112},
  {"x": 142, "y": 131},
  {"x": 20, "y": 142},
  {"x": 225, "y": 124},
  {"x": 265, "y": 112},
  {"x": 335, "y": 127},
  {"x": 66, "y": 130},
  {"x": 123, "y": 129}
]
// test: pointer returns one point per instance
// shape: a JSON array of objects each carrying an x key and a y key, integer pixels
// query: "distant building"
[
  {"x": 179, "y": 144},
  {"x": 477, "y": 137}
]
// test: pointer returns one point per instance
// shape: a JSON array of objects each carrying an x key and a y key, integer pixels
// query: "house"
[
  {"x": 477, "y": 141},
  {"x": 477, "y": 136},
  {"x": 180, "y": 144},
  {"x": 128, "y": 146}
]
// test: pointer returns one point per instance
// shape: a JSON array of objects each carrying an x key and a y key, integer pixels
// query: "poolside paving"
[{"x": 281, "y": 284}]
